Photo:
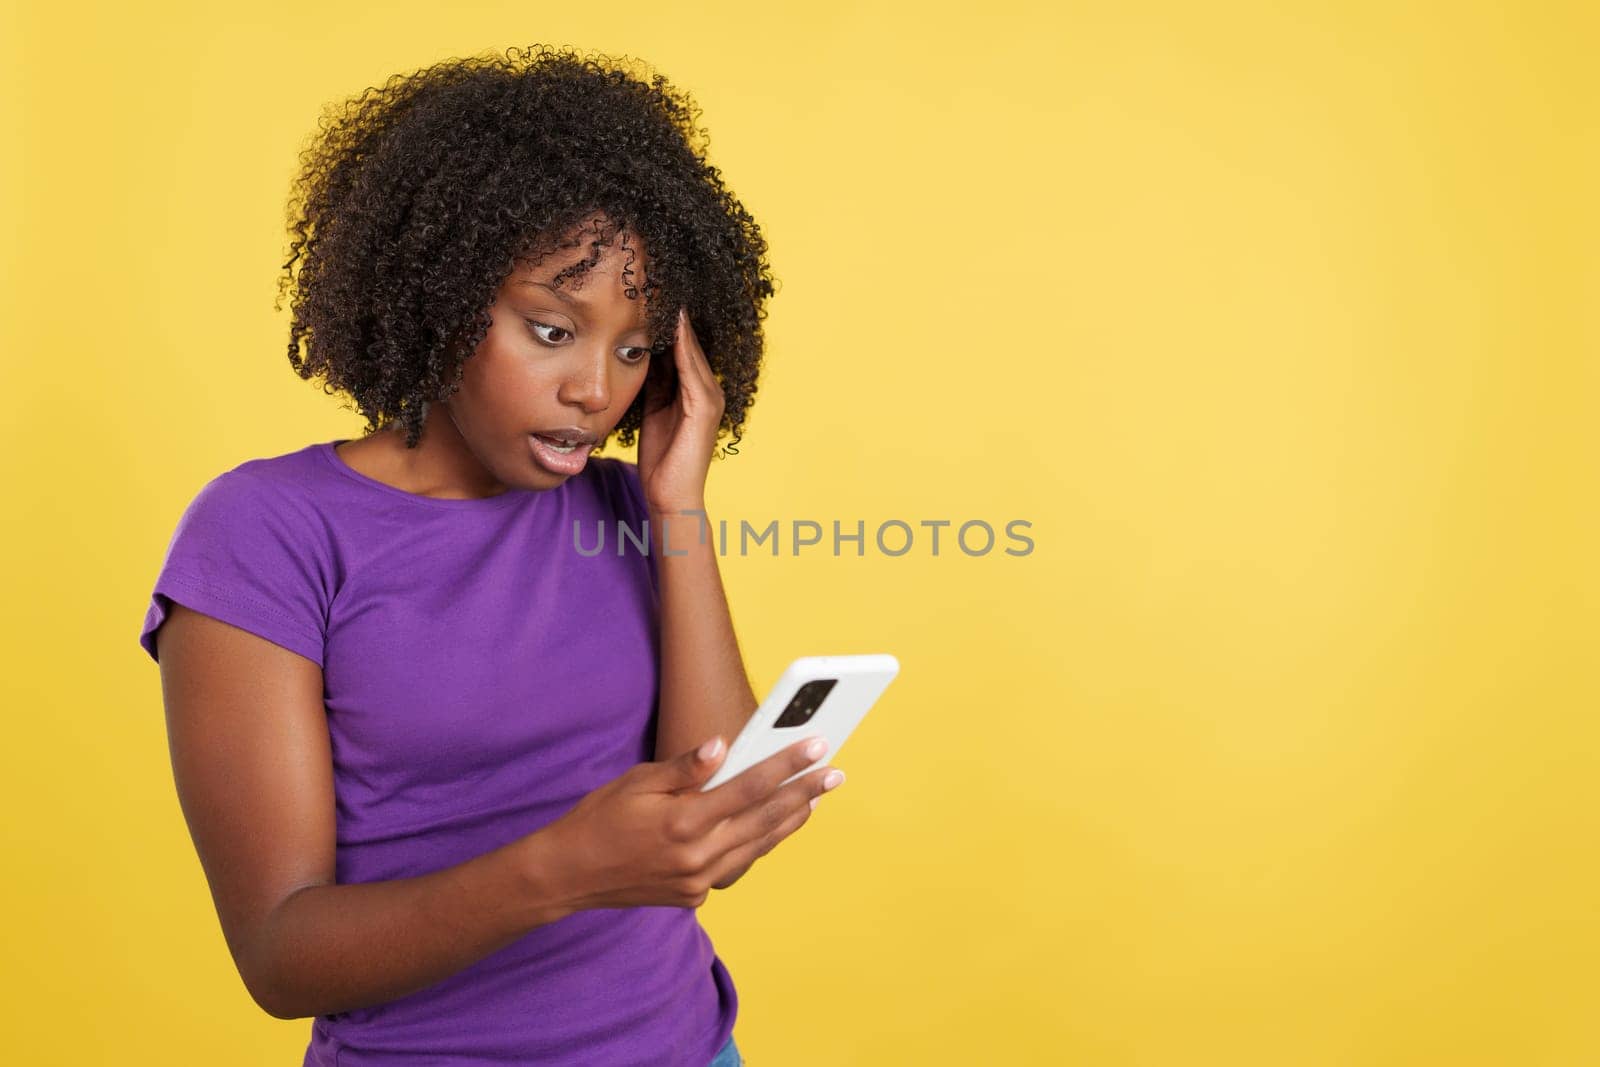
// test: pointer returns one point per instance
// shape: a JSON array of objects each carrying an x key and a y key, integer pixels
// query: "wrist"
[
  {"x": 666, "y": 509},
  {"x": 548, "y": 876},
  {"x": 679, "y": 530}
]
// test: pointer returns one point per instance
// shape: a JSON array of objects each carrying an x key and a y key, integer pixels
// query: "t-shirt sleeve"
[{"x": 244, "y": 554}]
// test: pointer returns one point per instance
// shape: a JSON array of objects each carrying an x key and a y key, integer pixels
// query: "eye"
[
  {"x": 637, "y": 355},
  {"x": 536, "y": 325}
]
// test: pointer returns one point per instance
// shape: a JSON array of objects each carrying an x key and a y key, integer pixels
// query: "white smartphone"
[{"x": 816, "y": 696}]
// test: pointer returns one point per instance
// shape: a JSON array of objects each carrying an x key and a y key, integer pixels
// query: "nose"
[{"x": 588, "y": 384}]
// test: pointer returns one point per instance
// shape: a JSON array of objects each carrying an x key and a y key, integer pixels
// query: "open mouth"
[
  {"x": 558, "y": 444},
  {"x": 561, "y": 454}
]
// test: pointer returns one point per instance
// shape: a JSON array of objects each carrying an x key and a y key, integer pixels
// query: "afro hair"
[{"x": 416, "y": 200}]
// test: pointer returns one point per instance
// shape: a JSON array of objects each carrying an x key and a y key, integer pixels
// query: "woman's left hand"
[{"x": 678, "y": 435}]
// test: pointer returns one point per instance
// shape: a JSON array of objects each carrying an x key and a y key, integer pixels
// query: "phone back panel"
[{"x": 858, "y": 681}]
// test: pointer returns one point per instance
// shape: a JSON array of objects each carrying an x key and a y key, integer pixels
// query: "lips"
[
  {"x": 557, "y": 458},
  {"x": 567, "y": 436}
]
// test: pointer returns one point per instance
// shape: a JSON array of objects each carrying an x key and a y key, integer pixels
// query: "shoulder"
[
  {"x": 292, "y": 476},
  {"x": 249, "y": 549},
  {"x": 261, "y": 495},
  {"x": 264, "y": 514}
]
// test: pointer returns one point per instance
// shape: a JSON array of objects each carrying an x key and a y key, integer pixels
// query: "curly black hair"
[{"x": 416, "y": 201}]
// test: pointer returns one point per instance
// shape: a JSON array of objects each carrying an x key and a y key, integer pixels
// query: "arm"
[
  {"x": 251, "y": 759},
  {"x": 704, "y": 689}
]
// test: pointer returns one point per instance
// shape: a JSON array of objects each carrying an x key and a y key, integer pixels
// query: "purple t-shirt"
[{"x": 481, "y": 673}]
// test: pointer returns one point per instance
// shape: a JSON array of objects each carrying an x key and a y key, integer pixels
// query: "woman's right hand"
[{"x": 650, "y": 837}]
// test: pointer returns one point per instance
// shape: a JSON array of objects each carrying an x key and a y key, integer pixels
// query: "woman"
[{"x": 439, "y": 757}]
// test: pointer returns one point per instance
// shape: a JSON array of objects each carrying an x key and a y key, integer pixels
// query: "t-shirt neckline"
[{"x": 488, "y": 503}]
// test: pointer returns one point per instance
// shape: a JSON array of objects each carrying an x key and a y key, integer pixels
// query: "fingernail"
[
  {"x": 814, "y": 802},
  {"x": 816, "y": 748},
  {"x": 834, "y": 778},
  {"x": 709, "y": 749}
]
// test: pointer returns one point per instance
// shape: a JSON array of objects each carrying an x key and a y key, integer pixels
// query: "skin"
[
  {"x": 248, "y": 734},
  {"x": 558, "y": 356},
  {"x": 579, "y": 367},
  {"x": 547, "y": 362}
]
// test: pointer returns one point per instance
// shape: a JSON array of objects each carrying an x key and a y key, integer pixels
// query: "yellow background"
[{"x": 1280, "y": 748}]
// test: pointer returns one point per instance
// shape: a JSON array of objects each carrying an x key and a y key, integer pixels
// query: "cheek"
[
  {"x": 488, "y": 392},
  {"x": 503, "y": 369}
]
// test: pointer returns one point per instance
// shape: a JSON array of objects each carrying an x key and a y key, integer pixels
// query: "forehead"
[{"x": 620, "y": 264}]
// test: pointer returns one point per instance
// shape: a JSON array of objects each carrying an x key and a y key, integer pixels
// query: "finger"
[
  {"x": 762, "y": 817},
  {"x": 758, "y": 829},
  {"x": 755, "y": 784},
  {"x": 696, "y": 354},
  {"x": 689, "y": 769},
  {"x": 765, "y": 836},
  {"x": 687, "y": 355},
  {"x": 687, "y": 377},
  {"x": 744, "y": 858},
  {"x": 728, "y": 879}
]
